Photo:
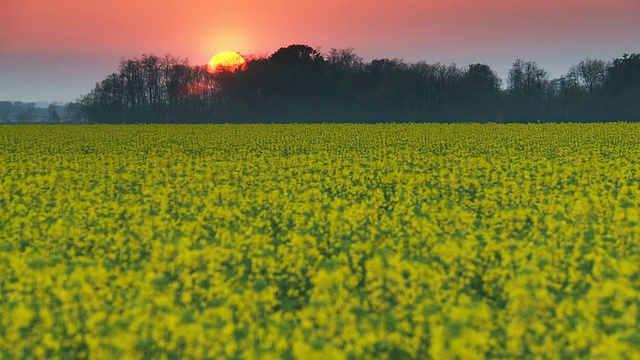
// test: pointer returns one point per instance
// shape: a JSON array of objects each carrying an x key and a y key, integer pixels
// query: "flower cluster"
[{"x": 320, "y": 241}]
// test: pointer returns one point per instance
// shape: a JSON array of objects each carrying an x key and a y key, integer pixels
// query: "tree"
[
  {"x": 527, "y": 90},
  {"x": 298, "y": 83},
  {"x": 483, "y": 78},
  {"x": 5, "y": 110},
  {"x": 624, "y": 73},
  {"x": 343, "y": 83},
  {"x": 298, "y": 56},
  {"x": 28, "y": 112},
  {"x": 590, "y": 73},
  {"x": 154, "y": 89},
  {"x": 75, "y": 112},
  {"x": 480, "y": 93},
  {"x": 107, "y": 102},
  {"x": 527, "y": 79},
  {"x": 623, "y": 85},
  {"x": 296, "y": 78},
  {"x": 53, "y": 113},
  {"x": 383, "y": 90},
  {"x": 345, "y": 61}
]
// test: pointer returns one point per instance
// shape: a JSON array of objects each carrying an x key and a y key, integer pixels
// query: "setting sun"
[{"x": 226, "y": 61}]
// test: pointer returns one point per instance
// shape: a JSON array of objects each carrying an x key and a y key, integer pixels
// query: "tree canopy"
[{"x": 298, "y": 83}]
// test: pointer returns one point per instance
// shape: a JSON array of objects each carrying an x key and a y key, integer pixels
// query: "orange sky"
[{"x": 40, "y": 38}]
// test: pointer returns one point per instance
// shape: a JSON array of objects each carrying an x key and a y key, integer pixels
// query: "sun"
[{"x": 226, "y": 61}]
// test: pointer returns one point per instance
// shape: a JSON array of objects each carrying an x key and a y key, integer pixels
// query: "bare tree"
[
  {"x": 527, "y": 79},
  {"x": 345, "y": 60},
  {"x": 591, "y": 73}
]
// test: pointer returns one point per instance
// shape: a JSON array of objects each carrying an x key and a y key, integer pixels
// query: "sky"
[{"x": 56, "y": 50}]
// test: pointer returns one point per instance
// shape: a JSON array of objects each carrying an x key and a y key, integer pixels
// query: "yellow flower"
[{"x": 320, "y": 241}]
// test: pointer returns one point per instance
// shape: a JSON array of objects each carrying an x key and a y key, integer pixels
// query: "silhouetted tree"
[
  {"x": 437, "y": 92},
  {"x": 623, "y": 85},
  {"x": 527, "y": 79},
  {"x": 344, "y": 83},
  {"x": 624, "y": 73},
  {"x": 298, "y": 83},
  {"x": 383, "y": 82},
  {"x": 565, "y": 99},
  {"x": 296, "y": 75},
  {"x": 481, "y": 93},
  {"x": 590, "y": 73},
  {"x": 527, "y": 87},
  {"x": 345, "y": 61}
]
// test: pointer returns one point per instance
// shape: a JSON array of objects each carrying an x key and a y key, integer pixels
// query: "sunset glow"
[
  {"x": 226, "y": 61},
  {"x": 84, "y": 41}
]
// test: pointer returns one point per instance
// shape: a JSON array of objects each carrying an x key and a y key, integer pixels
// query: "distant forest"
[
  {"x": 18, "y": 111},
  {"x": 300, "y": 84}
]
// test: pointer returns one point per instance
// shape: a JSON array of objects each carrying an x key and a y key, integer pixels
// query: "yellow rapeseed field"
[{"x": 320, "y": 241}]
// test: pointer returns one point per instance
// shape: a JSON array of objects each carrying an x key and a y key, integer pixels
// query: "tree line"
[
  {"x": 27, "y": 112},
  {"x": 300, "y": 84}
]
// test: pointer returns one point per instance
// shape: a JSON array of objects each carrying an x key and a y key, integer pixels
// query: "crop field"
[{"x": 320, "y": 241}]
